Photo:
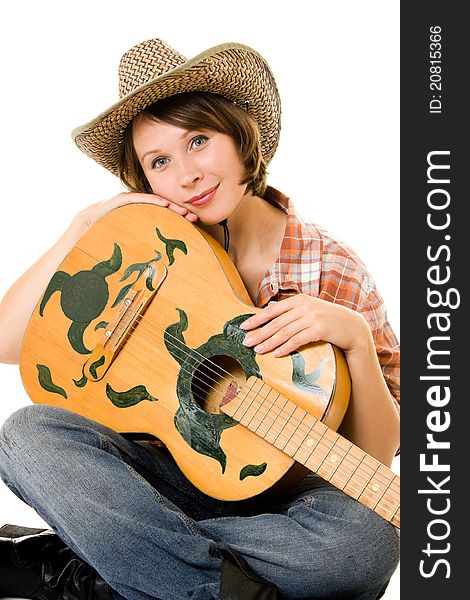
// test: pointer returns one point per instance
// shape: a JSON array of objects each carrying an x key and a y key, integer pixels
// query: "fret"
[
  {"x": 258, "y": 429},
  {"x": 395, "y": 518},
  {"x": 388, "y": 508},
  {"x": 355, "y": 468},
  {"x": 305, "y": 444},
  {"x": 268, "y": 432},
  {"x": 326, "y": 454},
  {"x": 309, "y": 442},
  {"x": 382, "y": 477},
  {"x": 341, "y": 461},
  {"x": 252, "y": 408},
  {"x": 359, "y": 486},
  {"x": 295, "y": 428},
  {"x": 365, "y": 475},
  {"x": 382, "y": 494},
  {"x": 240, "y": 404},
  {"x": 352, "y": 477},
  {"x": 361, "y": 473},
  {"x": 282, "y": 427},
  {"x": 369, "y": 480},
  {"x": 300, "y": 435},
  {"x": 340, "y": 474},
  {"x": 335, "y": 455},
  {"x": 343, "y": 464},
  {"x": 388, "y": 502},
  {"x": 305, "y": 451},
  {"x": 262, "y": 401},
  {"x": 320, "y": 450},
  {"x": 302, "y": 440}
]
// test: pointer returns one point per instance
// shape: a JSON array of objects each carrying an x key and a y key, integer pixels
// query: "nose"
[{"x": 190, "y": 172}]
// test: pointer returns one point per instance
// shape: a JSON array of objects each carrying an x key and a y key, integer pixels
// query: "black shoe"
[{"x": 35, "y": 563}]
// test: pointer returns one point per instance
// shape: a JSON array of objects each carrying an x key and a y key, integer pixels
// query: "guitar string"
[
  {"x": 204, "y": 359},
  {"x": 381, "y": 499},
  {"x": 232, "y": 378},
  {"x": 157, "y": 328},
  {"x": 142, "y": 318},
  {"x": 280, "y": 432},
  {"x": 216, "y": 391}
]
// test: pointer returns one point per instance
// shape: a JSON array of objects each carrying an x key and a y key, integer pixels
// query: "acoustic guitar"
[{"x": 139, "y": 329}]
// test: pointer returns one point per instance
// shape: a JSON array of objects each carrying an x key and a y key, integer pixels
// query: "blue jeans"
[{"x": 125, "y": 508}]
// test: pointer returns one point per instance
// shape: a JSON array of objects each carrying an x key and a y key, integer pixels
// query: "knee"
[
  {"x": 367, "y": 553},
  {"x": 352, "y": 548},
  {"x": 29, "y": 426}
]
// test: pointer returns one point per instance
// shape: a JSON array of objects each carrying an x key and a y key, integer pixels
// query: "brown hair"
[{"x": 199, "y": 110}]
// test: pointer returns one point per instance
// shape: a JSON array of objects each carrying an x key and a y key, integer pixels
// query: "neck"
[{"x": 254, "y": 226}]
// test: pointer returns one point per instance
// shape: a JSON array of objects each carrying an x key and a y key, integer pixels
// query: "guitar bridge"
[{"x": 134, "y": 304}]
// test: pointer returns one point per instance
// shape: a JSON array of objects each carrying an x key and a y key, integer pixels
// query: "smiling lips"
[{"x": 204, "y": 198}]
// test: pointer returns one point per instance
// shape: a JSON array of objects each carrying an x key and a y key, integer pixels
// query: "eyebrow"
[{"x": 157, "y": 150}]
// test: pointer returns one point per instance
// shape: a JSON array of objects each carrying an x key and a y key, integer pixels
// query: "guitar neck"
[{"x": 322, "y": 450}]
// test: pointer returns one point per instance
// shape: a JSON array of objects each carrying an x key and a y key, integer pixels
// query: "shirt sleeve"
[{"x": 345, "y": 280}]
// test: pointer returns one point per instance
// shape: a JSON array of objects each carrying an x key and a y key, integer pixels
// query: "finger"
[
  {"x": 295, "y": 342},
  {"x": 283, "y": 322},
  {"x": 133, "y": 198},
  {"x": 281, "y": 338},
  {"x": 272, "y": 310},
  {"x": 158, "y": 202},
  {"x": 180, "y": 210}
]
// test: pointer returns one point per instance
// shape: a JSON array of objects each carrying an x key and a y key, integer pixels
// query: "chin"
[
  {"x": 211, "y": 219},
  {"x": 209, "y": 222}
]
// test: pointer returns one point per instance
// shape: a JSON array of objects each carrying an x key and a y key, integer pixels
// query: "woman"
[{"x": 196, "y": 137}]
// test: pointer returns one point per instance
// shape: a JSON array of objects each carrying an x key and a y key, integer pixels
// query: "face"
[{"x": 200, "y": 170}]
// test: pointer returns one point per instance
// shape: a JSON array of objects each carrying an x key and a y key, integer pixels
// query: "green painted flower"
[
  {"x": 83, "y": 296},
  {"x": 307, "y": 381},
  {"x": 200, "y": 429}
]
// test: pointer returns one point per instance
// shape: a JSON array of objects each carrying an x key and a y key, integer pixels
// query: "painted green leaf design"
[
  {"x": 307, "y": 381},
  {"x": 137, "y": 268},
  {"x": 95, "y": 365},
  {"x": 101, "y": 325},
  {"x": 120, "y": 297},
  {"x": 174, "y": 339},
  {"x": 45, "y": 381},
  {"x": 132, "y": 268},
  {"x": 252, "y": 470},
  {"x": 80, "y": 382},
  {"x": 129, "y": 397},
  {"x": 201, "y": 430},
  {"x": 84, "y": 296},
  {"x": 57, "y": 282},
  {"x": 171, "y": 245},
  {"x": 75, "y": 335},
  {"x": 149, "y": 280},
  {"x": 108, "y": 267}
]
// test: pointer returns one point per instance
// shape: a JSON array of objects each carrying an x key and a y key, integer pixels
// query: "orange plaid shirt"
[{"x": 312, "y": 262}]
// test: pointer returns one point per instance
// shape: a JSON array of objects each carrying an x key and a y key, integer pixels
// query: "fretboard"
[{"x": 322, "y": 450}]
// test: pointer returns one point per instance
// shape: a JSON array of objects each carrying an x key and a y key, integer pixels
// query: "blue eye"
[
  {"x": 199, "y": 141},
  {"x": 159, "y": 162}
]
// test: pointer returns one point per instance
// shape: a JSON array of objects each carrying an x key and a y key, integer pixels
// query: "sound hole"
[{"x": 212, "y": 379}]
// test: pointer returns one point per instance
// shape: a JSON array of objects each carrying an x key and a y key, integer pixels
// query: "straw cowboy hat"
[{"x": 152, "y": 70}]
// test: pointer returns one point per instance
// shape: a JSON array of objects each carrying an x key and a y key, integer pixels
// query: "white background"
[{"x": 337, "y": 68}]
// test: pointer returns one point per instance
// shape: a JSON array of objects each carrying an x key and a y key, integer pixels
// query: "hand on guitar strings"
[{"x": 288, "y": 324}]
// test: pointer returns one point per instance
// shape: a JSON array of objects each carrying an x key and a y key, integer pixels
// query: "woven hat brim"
[{"x": 234, "y": 71}]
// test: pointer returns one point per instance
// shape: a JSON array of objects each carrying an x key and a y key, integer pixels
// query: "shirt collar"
[{"x": 281, "y": 275}]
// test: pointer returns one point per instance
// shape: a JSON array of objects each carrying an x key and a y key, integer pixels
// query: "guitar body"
[{"x": 139, "y": 329}]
